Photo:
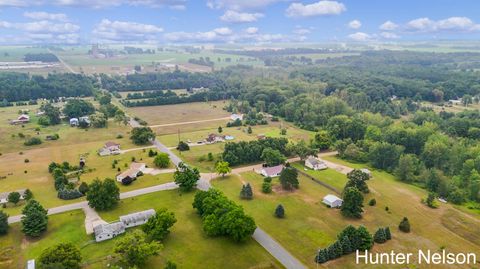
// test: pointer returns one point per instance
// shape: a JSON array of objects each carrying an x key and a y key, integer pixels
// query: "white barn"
[
  {"x": 332, "y": 201},
  {"x": 108, "y": 231},
  {"x": 138, "y": 218},
  {"x": 315, "y": 164}
]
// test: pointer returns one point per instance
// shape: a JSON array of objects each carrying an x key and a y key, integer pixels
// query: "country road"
[
  {"x": 70, "y": 69},
  {"x": 187, "y": 122}
]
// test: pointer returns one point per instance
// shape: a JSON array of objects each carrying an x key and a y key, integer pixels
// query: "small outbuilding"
[
  {"x": 74, "y": 122},
  {"x": 273, "y": 171},
  {"x": 235, "y": 117},
  {"x": 332, "y": 201},
  {"x": 315, "y": 164}
]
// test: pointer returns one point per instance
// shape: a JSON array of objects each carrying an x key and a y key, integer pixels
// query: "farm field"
[
  {"x": 155, "y": 115},
  {"x": 310, "y": 225}
]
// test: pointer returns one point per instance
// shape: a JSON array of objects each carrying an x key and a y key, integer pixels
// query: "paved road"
[
  {"x": 187, "y": 122},
  {"x": 276, "y": 250},
  {"x": 64, "y": 63}
]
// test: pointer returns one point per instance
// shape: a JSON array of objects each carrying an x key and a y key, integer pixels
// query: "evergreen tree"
[
  {"x": 3, "y": 223},
  {"x": 289, "y": 178},
  {"x": 352, "y": 203},
  {"x": 220, "y": 130},
  {"x": 346, "y": 245},
  {"x": 365, "y": 238},
  {"x": 34, "y": 219},
  {"x": 322, "y": 256},
  {"x": 388, "y": 235},
  {"x": 280, "y": 211},
  {"x": 337, "y": 248},
  {"x": 380, "y": 236},
  {"x": 404, "y": 225},
  {"x": 28, "y": 194}
]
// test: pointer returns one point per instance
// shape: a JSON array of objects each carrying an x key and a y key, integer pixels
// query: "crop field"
[
  {"x": 156, "y": 115},
  {"x": 310, "y": 225}
]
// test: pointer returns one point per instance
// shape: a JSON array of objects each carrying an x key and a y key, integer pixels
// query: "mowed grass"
[
  {"x": 41, "y": 183},
  {"x": 197, "y": 156},
  {"x": 310, "y": 225},
  {"x": 187, "y": 245},
  {"x": 328, "y": 176},
  {"x": 16, "y": 249},
  {"x": 166, "y": 114}
]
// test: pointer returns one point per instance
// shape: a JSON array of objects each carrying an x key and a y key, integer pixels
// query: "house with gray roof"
[
  {"x": 138, "y": 218},
  {"x": 108, "y": 231},
  {"x": 4, "y": 196},
  {"x": 315, "y": 164},
  {"x": 273, "y": 171}
]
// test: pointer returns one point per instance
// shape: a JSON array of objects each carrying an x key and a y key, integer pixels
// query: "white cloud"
[
  {"x": 251, "y": 30},
  {"x": 460, "y": 24},
  {"x": 388, "y": 26},
  {"x": 360, "y": 36},
  {"x": 226, "y": 35},
  {"x": 114, "y": 31},
  {"x": 301, "y": 31},
  {"x": 324, "y": 7},
  {"x": 389, "y": 35},
  {"x": 48, "y": 27},
  {"x": 355, "y": 24},
  {"x": 46, "y": 16},
  {"x": 240, "y": 4},
  {"x": 234, "y": 16},
  {"x": 42, "y": 32}
]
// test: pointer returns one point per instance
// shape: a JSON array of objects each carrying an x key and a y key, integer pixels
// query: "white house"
[
  {"x": 332, "y": 201},
  {"x": 4, "y": 196},
  {"x": 273, "y": 171},
  {"x": 235, "y": 117},
  {"x": 315, "y": 164},
  {"x": 108, "y": 231},
  {"x": 74, "y": 122},
  {"x": 31, "y": 264},
  {"x": 110, "y": 148},
  {"x": 133, "y": 172},
  {"x": 455, "y": 102},
  {"x": 136, "y": 219}
]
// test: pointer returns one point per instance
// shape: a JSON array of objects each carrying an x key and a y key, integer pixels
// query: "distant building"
[
  {"x": 315, "y": 164},
  {"x": 108, "y": 231},
  {"x": 133, "y": 172},
  {"x": 214, "y": 138},
  {"x": 273, "y": 171},
  {"x": 4, "y": 196},
  {"x": 235, "y": 117},
  {"x": 74, "y": 122},
  {"x": 110, "y": 148},
  {"x": 332, "y": 201},
  {"x": 261, "y": 137},
  {"x": 24, "y": 118},
  {"x": 455, "y": 102},
  {"x": 136, "y": 219}
]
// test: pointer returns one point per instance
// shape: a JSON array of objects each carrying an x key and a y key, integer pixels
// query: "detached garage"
[{"x": 332, "y": 201}]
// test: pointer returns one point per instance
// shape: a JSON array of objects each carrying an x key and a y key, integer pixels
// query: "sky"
[{"x": 236, "y": 21}]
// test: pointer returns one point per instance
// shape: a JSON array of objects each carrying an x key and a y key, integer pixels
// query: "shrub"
[
  {"x": 267, "y": 179},
  {"x": 372, "y": 202},
  {"x": 404, "y": 225},
  {"x": 67, "y": 194},
  {"x": 26, "y": 160},
  {"x": 127, "y": 181},
  {"x": 380, "y": 236},
  {"x": 33, "y": 141},
  {"x": 182, "y": 146},
  {"x": 267, "y": 187},
  {"x": 280, "y": 212}
]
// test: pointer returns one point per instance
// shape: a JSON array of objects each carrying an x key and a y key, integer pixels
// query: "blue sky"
[{"x": 236, "y": 21}]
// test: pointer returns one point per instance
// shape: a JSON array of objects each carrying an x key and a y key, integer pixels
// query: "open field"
[
  {"x": 40, "y": 182},
  {"x": 155, "y": 115},
  {"x": 197, "y": 156},
  {"x": 240, "y": 133},
  {"x": 310, "y": 225},
  {"x": 329, "y": 176},
  {"x": 453, "y": 108}
]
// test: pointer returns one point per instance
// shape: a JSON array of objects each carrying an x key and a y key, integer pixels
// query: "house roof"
[
  {"x": 23, "y": 116},
  {"x": 129, "y": 173},
  {"x": 274, "y": 170},
  {"x": 331, "y": 198},
  {"x": 136, "y": 166},
  {"x": 111, "y": 144},
  {"x": 314, "y": 161},
  {"x": 114, "y": 227},
  {"x": 137, "y": 216},
  {"x": 4, "y": 195}
]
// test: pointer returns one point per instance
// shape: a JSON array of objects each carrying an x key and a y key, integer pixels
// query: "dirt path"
[{"x": 187, "y": 122}]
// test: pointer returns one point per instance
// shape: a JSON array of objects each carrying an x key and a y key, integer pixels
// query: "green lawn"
[
  {"x": 309, "y": 225},
  {"x": 187, "y": 245},
  {"x": 328, "y": 176}
]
